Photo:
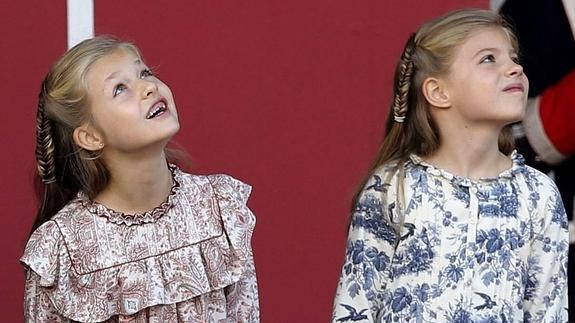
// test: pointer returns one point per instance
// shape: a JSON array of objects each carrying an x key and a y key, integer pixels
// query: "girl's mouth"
[
  {"x": 157, "y": 109},
  {"x": 515, "y": 87}
]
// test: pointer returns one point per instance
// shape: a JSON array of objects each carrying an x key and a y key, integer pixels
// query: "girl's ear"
[
  {"x": 435, "y": 93},
  {"x": 88, "y": 138}
]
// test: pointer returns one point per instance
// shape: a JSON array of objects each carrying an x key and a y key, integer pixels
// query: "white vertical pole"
[
  {"x": 569, "y": 6},
  {"x": 495, "y": 4},
  {"x": 80, "y": 20}
]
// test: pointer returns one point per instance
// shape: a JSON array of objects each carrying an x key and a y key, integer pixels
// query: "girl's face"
[
  {"x": 485, "y": 83},
  {"x": 131, "y": 109}
]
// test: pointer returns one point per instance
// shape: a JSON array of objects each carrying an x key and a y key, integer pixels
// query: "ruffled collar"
[
  {"x": 518, "y": 163},
  {"x": 152, "y": 215}
]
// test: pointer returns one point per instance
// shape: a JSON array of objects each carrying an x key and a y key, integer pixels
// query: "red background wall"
[{"x": 289, "y": 96}]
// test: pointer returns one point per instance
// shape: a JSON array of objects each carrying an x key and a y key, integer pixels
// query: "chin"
[
  {"x": 172, "y": 132},
  {"x": 173, "y": 126},
  {"x": 513, "y": 119},
  {"x": 519, "y": 115},
  {"x": 514, "y": 114},
  {"x": 175, "y": 131},
  {"x": 166, "y": 133}
]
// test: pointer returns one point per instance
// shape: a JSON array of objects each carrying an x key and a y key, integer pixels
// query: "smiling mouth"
[{"x": 157, "y": 110}]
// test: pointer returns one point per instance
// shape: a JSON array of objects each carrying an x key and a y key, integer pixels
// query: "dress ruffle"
[{"x": 93, "y": 268}]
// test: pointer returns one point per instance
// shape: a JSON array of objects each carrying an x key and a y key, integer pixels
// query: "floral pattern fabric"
[
  {"x": 189, "y": 260},
  {"x": 491, "y": 250}
]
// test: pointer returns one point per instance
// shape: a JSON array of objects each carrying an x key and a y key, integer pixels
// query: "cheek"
[
  {"x": 115, "y": 119},
  {"x": 526, "y": 83},
  {"x": 165, "y": 90},
  {"x": 97, "y": 115},
  {"x": 483, "y": 88},
  {"x": 167, "y": 93}
]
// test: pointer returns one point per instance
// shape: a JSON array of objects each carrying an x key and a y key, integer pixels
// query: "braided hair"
[
  {"x": 44, "y": 143},
  {"x": 403, "y": 81}
]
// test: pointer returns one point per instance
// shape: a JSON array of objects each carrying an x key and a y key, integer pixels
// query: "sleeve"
[
  {"x": 239, "y": 222},
  {"x": 42, "y": 260},
  {"x": 242, "y": 297},
  {"x": 43, "y": 253},
  {"x": 370, "y": 248},
  {"x": 548, "y": 121},
  {"x": 545, "y": 297},
  {"x": 37, "y": 305}
]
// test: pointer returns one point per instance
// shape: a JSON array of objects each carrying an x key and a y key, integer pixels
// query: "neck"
[
  {"x": 136, "y": 184},
  {"x": 472, "y": 153}
]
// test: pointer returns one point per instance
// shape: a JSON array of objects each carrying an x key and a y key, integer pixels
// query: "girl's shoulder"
[
  {"x": 536, "y": 178},
  {"x": 48, "y": 239},
  {"x": 223, "y": 186},
  {"x": 391, "y": 170},
  {"x": 42, "y": 251},
  {"x": 530, "y": 181},
  {"x": 383, "y": 181}
]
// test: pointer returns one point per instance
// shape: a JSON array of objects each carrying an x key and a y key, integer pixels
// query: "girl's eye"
[
  {"x": 145, "y": 73},
  {"x": 516, "y": 60},
  {"x": 119, "y": 89},
  {"x": 488, "y": 59}
]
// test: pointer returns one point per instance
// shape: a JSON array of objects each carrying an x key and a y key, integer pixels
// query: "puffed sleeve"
[
  {"x": 242, "y": 296},
  {"x": 41, "y": 259},
  {"x": 370, "y": 247},
  {"x": 545, "y": 297},
  {"x": 37, "y": 304}
]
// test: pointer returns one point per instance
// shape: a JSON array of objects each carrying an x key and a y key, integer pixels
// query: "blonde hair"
[
  {"x": 410, "y": 129},
  {"x": 63, "y": 167}
]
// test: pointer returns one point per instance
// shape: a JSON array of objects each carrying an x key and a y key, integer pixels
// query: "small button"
[{"x": 468, "y": 283}]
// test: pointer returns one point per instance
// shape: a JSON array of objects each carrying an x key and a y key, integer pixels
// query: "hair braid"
[
  {"x": 44, "y": 143},
  {"x": 403, "y": 81}
]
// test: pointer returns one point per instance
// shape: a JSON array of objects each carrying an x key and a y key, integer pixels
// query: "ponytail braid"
[
  {"x": 44, "y": 143},
  {"x": 403, "y": 81},
  {"x": 52, "y": 196}
]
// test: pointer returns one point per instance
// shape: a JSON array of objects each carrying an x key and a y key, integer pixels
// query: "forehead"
[
  {"x": 491, "y": 37},
  {"x": 112, "y": 63}
]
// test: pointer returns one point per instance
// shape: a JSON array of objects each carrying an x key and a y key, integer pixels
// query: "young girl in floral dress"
[
  {"x": 122, "y": 235},
  {"x": 451, "y": 225}
]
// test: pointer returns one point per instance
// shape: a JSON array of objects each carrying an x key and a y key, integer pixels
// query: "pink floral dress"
[{"x": 188, "y": 260}]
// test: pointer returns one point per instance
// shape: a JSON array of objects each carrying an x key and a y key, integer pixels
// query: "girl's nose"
[
  {"x": 149, "y": 88},
  {"x": 515, "y": 70}
]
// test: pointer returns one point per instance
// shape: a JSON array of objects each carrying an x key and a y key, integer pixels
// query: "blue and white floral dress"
[{"x": 491, "y": 250}]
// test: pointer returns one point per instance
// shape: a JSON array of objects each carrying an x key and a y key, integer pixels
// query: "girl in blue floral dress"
[{"x": 451, "y": 225}]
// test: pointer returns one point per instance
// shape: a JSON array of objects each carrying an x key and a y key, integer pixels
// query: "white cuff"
[{"x": 536, "y": 135}]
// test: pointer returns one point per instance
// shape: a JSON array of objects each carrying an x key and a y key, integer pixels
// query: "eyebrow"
[
  {"x": 492, "y": 49},
  {"x": 113, "y": 75}
]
